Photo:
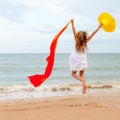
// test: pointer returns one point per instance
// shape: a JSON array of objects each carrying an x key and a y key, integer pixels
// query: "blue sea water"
[{"x": 103, "y": 73}]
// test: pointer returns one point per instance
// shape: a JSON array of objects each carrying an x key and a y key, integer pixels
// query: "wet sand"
[{"x": 92, "y": 106}]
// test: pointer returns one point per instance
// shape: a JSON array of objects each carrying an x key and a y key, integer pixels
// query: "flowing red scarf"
[{"x": 38, "y": 79}]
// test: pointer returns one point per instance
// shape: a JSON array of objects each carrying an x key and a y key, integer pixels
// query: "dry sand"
[{"x": 93, "y": 106}]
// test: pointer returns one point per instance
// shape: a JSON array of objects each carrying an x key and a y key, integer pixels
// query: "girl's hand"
[
  {"x": 100, "y": 25},
  {"x": 72, "y": 20}
]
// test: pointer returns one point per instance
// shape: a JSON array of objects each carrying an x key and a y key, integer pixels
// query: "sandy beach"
[{"x": 93, "y": 106}]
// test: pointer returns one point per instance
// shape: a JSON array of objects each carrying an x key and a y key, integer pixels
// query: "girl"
[{"x": 78, "y": 59}]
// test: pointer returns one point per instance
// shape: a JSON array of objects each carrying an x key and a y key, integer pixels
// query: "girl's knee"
[
  {"x": 73, "y": 73},
  {"x": 82, "y": 74}
]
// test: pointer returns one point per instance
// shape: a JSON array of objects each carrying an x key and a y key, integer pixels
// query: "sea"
[{"x": 102, "y": 75}]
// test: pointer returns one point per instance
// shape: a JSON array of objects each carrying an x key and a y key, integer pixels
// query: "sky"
[{"x": 28, "y": 26}]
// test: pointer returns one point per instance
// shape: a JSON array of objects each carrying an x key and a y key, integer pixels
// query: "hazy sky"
[{"x": 28, "y": 26}]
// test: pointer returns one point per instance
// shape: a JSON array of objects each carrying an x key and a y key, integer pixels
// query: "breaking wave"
[{"x": 11, "y": 92}]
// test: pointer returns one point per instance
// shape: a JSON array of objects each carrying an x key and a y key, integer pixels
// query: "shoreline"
[
  {"x": 14, "y": 92},
  {"x": 91, "y": 106}
]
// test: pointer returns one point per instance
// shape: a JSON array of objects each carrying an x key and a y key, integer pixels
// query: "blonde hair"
[{"x": 81, "y": 41}]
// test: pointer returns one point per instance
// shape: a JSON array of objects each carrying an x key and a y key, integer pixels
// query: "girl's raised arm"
[
  {"x": 94, "y": 32},
  {"x": 73, "y": 28}
]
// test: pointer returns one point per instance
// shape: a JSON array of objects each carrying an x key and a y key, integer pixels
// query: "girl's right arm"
[{"x": 73, "y": 28}]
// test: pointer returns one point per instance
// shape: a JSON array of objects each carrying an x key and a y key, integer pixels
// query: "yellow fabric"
[{"x": 107, "y": 21}]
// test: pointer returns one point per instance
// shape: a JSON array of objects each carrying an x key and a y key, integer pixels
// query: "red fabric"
[{"x": 38, "y": 79}]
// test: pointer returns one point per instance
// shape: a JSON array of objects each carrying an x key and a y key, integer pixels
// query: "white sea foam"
[{"x": 12, "y": 92}]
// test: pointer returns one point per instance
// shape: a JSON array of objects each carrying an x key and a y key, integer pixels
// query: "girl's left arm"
[{"x": 94, "y": 32}]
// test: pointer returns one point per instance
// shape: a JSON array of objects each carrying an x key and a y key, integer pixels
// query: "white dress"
[{"x": 78, "y": 61}]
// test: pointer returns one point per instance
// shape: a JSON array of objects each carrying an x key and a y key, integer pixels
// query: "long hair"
[{"x": 81, "y": 41}]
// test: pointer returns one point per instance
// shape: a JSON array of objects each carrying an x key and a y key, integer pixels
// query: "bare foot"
[{"x": 84, "y": 89}]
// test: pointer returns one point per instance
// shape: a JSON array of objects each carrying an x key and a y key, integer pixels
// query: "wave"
[
  {"x": 58, "y": 87},
  {"x": 104, "y": 85},
  {"x": 28, "y": 91}
]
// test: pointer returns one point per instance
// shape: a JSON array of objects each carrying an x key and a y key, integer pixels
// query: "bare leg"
[
  {"x": 74, "y": 74},
  {"x": 81, "y": 78},
  {"x": 84, "y": 81}
]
